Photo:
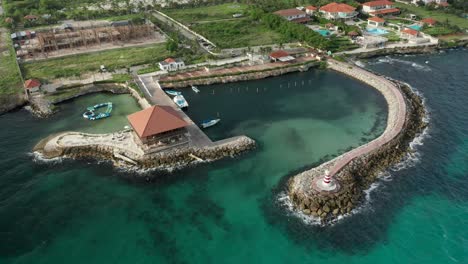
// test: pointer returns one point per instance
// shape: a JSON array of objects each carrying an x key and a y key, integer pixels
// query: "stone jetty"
[
  {"x": 336, "y": 187},
  {"x": 125, "y": 150}
]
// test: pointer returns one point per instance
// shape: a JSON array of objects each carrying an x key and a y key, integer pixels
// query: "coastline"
[{"x": 353, "y": 172}]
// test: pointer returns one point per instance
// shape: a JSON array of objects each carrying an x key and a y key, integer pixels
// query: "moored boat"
[
  {"x": 180, "y": 101},
  {"x": 172, "y": 92},
  {"x": 195, "y": 89},
  {"x": 209, "y": 123}
]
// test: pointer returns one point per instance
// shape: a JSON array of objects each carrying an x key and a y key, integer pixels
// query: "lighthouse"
[{"x": 325, "y": 182}]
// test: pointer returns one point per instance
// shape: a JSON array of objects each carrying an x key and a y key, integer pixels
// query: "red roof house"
[
  {"x": 378, "y": 3},
  {"x": 281, "y": 55},
  {"x": 338, "y": 11},
  {"x": 30, "y": 17},
  {"x": 32, "y": 84},
  {"x": 429, "y": 21},
  {"x": 409, "y": 32},
  {"x": 310, "y": 9}
]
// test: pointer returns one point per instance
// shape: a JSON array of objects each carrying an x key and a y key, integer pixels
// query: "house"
[
  {"x": 310, "y": 10},
  {"x": 353, "y": 34},
  {"x": 428, "y": 21},
  {"x": 32, "y": 86},
  {"x": 375, "y": 22},
  {"x": 281, "y": 55},
  {"x": 409, "y": 33},
  {"x": 338, "y": 11},
  {"x": 157, "y": 124},
  {"x": 442, "y": 3},
  {"x": 171, "y": 64},
  {"x": 293, "y": 15},
  {"x": 31, "y": 18},
  {"x": 379, "y": 8}
]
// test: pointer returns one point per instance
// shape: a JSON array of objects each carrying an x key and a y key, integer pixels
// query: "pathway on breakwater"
[{"x": 396, "y": 111}]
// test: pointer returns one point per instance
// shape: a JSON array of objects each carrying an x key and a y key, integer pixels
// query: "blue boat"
[
  {"x": 209, "y": 123},
  {"x": 172, "y": 92},
  {"x": 180, "y": 101}
]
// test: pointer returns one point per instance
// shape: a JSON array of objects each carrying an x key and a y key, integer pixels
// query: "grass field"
[
  {"x": 238, "y": 33},
  {"x": 435, "y": 14},
  {"x": 78, "y": 64},
  {"x": 10, "y": 79},
  {"x": 205, "y": 13},
  {"x": 438, "y": 30}
]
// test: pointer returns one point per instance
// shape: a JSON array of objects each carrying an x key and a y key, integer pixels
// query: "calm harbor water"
[{"x": 229, "y": 211}]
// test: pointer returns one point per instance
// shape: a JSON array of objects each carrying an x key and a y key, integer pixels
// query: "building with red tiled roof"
[
  {"x": 171, "y": 64},
  {"x": 281, "y": 55},
  {"x": 375, "y": 21},
  {"x": 338, "y": 11},
  {"x": 32, "y": 85},
  {"x": 157, "y": 121},
  {"x": 379, "y": 7},
  {"x": 30, "y": 17},
  {"x": 310, "y": 10},
  {"x": 429, "y": 21},
  {"x": 293, "y": 15},
  {"x": 409, "y": 33}
]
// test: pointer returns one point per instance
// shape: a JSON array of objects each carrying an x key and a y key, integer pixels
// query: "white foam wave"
[
  {"x": 286, "y": 203},
  {"x": 39, "y": 158}
]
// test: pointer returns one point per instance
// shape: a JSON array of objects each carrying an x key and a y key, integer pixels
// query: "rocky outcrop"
[
  {"x": 238, "y": 77},
  {"x": 115, "y": 88},
  {"x": 356, "y": 176},
  {"x": 10, "y": 102}
]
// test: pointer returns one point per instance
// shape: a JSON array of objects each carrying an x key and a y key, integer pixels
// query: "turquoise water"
[
  {"x": 323, "y": 32},
  {"x": 376, "y": 31},
  {"x": 415, "y": 27},
  {"x": 228, "y": 211}
]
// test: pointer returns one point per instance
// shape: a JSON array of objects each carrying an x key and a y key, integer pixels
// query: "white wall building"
[{"x": 171, "y": 64}]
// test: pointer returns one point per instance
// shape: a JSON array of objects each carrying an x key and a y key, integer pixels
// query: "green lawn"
[
  {"x": 392, "y": 36},
  {"x": 436, "y": 14},
  {"x": 78, "y": 64},
  {"x": 238, "y": 33},
  {"x": 10, "y": 79},
  {"x": 438, "y": 30},
  {"x": 205, "y": 13}
]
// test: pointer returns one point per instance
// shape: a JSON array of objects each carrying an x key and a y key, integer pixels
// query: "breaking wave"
[{"x": 390, "y": 60}]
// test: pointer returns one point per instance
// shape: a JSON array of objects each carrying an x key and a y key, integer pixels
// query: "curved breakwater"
[{"x": 355, "y": 171}]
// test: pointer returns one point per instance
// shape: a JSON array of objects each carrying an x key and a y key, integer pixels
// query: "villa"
[
  {"x": 158, "y": 125},
  {"x": 429, "y": 21},
  {"x": 379, "y": 8},
  {"x": 375, "y": 22},
  {"x": 338, "y": 11},
  {"x": 409, "y": 33},
  {"x": 293, "y": 15},
  {"x": 171, "y": 64},
  {"x": 310, "y": 10}
]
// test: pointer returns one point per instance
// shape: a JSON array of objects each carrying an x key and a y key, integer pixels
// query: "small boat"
[
  {"x": 91, "y": 114},
  {"x": 172, "y": 92},
  {"x": 195, "y": 89},
  {"x": 209, "y": 123},
  {"x": 180, "y": 101}
]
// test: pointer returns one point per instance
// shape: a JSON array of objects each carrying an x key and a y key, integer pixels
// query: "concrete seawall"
[{"x": 354, "y": 171}]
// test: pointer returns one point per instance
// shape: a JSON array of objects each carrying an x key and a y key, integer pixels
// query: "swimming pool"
[
  {"x": 376, "y": 31},
  {"x": 323, "y": 32},
  {"x": 415, "y": 27}
]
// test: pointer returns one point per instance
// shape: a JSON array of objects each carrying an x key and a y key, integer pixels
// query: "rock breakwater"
[{"x": 356, "y": 170}]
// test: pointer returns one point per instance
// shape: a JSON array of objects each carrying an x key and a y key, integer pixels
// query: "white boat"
[
  {"x": 195, "y": 89},
  {"x": 172, "y": 92},
  {"x": 209, "y": 123},
  {"x": 180, "y": 101}
]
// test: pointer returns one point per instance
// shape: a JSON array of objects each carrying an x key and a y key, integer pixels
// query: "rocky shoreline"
[
  {"x": 129, "y": 154},
  {"x": 10, "y": 102},
  {"x": 357, "y": 175}
]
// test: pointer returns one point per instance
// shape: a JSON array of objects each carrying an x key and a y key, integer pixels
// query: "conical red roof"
[{"x": 156, "y": 120}]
